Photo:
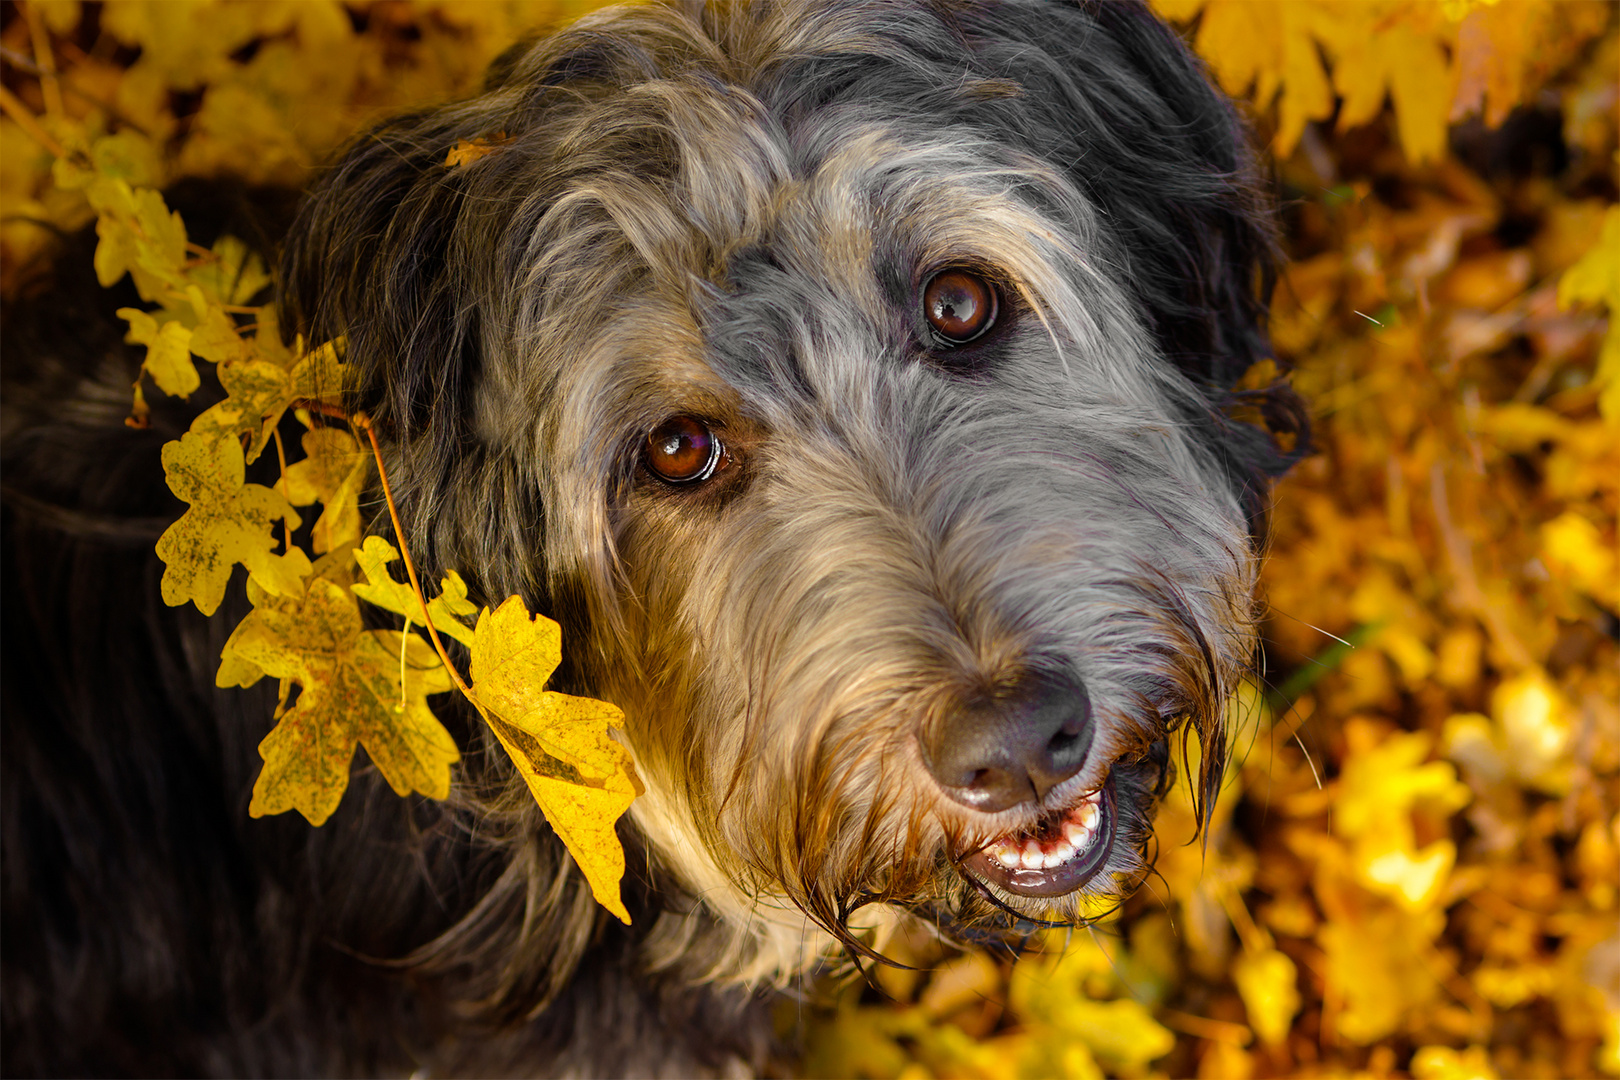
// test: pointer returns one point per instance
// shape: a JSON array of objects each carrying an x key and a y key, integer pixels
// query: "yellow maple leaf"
[
  {"x": 1399, "y": 49},
  {"x": 1381, "y": 966},
  {"x": 1413, "y": 877},
  {"x": 261, "y": 387},
  {"x": 235, "y": 274},
  {"x": 1059, "y": 994},
  {"x": 1383, "y": 780},
  {"x": 1576, "y": 548},
  {"x": 1538, "y": 727},
  {"x": 447, "y": 610},
  {"x": 1270, "y": 48},
  {"x": 1381, "y": 785},
  {"x": 1272, "y": 53},
  {"x": 1595, "y": 279},
  {"x": 582, "y": 779},
  {"x": 1268, "y": 983},
  {"x": 168, "y": 351},
  {"x": 229, "y": 522},
  {"x": 139, "y": 235},
  {"x": 332, "y": 472},
  {"x": 215, "y": 337},
  {"x": 351, "y": 694},
  {"x": 467, "y": 151}
]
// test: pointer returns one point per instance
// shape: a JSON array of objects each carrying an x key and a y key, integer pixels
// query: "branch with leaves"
[{"x": 355, "y": 687}]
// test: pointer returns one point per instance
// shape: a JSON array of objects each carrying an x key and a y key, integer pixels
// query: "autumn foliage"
[{"x": 1414, "y": 868}]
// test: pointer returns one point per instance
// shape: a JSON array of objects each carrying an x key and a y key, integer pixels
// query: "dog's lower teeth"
[{"x": 1079, "y": 829}]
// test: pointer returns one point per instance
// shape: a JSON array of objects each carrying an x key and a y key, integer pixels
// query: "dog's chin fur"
[{"x": 723, "y": 212}]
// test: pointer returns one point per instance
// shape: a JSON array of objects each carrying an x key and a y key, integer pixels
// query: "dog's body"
[{"x": 850, "y": 380}]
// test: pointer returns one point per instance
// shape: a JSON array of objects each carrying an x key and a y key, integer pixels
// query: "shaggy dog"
[{"x": 855, "y": 382}]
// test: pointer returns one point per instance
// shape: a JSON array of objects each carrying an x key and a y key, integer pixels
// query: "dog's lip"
[{"x": 1066, "y": 876}]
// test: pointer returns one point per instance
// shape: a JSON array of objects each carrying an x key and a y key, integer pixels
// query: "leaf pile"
[{"x": 1414, "y": 869}]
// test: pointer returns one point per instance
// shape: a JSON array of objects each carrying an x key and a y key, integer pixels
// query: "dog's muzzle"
[{"x": 1013, "y": 750}]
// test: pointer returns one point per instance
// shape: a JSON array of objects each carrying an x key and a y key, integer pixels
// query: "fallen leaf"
[
  {"x": 467, "y": 151},
  {"x": 1268, "y": 983}
]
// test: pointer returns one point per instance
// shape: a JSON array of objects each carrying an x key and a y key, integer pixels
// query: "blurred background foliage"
[{"x": 1413, "y": 869}]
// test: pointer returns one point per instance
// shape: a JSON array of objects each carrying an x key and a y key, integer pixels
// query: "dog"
[{"x": 860, "y": 385}]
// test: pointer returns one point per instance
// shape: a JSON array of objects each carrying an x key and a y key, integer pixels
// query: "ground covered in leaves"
[{"x": 1415, "y": 863}]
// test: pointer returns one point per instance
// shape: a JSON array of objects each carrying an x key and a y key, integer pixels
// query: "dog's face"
[{"x": 848, "y": 380}]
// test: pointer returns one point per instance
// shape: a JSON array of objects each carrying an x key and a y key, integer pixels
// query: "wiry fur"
[{"x": 720, "y": 211}]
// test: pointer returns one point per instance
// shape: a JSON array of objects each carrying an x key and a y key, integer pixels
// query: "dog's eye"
[
  {"x": 960, "y": 305},
  {"x": 682, "y": 450}
]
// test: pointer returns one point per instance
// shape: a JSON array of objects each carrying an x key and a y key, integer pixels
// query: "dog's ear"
[
  {"x": 371, "y": 258},
  {"x": 401, "y": 249},
  {"x": 1131, "y": 113}
]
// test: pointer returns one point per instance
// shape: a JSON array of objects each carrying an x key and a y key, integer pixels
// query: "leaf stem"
[
  {"x": 25, "y": 119},
  {"x": 363, "y": 422},
  {"x": 315, "y": 405},
  {"x": 22, "y": 63},
  {"x": 281, "y": 456},
  {"x": 46, "y": 60}
]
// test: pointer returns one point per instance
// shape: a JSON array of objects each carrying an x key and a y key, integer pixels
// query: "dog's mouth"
[{"x": 1057, "y": 855}]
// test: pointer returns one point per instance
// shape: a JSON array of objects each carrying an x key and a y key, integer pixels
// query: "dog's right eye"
[
  {"x": 960, "y": 306},
  {"x": 683, "y": 450}
]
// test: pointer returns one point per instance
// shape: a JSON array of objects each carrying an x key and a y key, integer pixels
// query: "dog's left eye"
[
  {"x": 683, "y": 450},
  {"x": 960, "y": 305}
]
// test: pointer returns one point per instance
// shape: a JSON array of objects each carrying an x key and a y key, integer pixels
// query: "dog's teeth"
[
  {"x": 1033, "y": 857},
  {"x": 1007, "y": 855},
  {"x": 1058, "y": 857},
  {"x": 1076, "y": 834},
  {"x": 1088, "y": 815}
]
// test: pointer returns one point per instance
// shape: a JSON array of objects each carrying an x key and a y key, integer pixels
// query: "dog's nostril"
[{"x": 995, "y": 754}]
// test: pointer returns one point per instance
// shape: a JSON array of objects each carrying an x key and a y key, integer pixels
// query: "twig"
[
  {"x": 23, "y": 63},
  {"x": 25, "y": 119},
  {"x": 363, "y": 422},
  {"x": 315, "y": 405},
  {"x": 281, "y": 455},
  {"x": 48, "y": 84}
]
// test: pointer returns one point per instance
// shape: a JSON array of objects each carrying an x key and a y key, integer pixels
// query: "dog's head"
[{"x": 854, "y": 382}]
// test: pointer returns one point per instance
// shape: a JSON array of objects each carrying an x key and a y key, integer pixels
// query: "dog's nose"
[{"x": 1011, "y": 748}]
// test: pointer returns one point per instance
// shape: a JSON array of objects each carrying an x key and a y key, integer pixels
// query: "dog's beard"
[{"x": 790, "y": 665}]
